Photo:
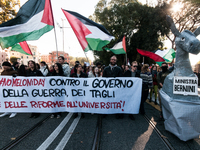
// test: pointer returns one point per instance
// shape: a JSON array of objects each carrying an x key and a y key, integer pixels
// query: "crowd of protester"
[{"x": 152, "y": 77}]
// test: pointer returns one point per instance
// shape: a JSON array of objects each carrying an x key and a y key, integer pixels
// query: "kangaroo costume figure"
[{"x": 181, "y": 112}]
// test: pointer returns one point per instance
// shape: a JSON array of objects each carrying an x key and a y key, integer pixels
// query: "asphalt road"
[{"x": 77, "y": 134}]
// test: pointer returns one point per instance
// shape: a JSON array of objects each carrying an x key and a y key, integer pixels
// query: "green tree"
[
  {"x": 13, "y": 59},
  {"x": 8, "y": 9},
  {"x": 187, "y": 17},
  {"x": 137, "y": 22}
]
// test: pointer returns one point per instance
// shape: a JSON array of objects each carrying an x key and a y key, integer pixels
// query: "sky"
[{"x": 47, "y": 42}]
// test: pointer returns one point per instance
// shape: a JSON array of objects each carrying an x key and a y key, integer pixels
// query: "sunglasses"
[{"x": 135, "y": 66}]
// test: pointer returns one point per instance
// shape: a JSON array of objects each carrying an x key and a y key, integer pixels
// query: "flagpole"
[
  {"x": 86, "y": 56},
  {"x": 54, "y": 30},
  {"x": 126, "y": 59}
]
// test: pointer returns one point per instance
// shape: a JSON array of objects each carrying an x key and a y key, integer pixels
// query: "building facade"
[
  {"x": 23, "y": 58},
  {"x": 53, "y": 56},
  {"x": 4, "y": 55}
]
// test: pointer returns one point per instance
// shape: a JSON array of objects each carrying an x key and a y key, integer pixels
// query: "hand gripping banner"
[{"x": 60, "y": 94}]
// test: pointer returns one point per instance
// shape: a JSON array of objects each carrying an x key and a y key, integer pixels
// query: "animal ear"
[
  {"x": 172, "y": 26},
  {"x": 197, "y": 31}
]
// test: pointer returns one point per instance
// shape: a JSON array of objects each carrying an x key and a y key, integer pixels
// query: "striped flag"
[
  {"x": 159, "y": 56},
  {"x": 91, "y": 36},
  {"x": 33, "y": 20},
  {"x": 119, "y": 47},
  {"x": 22, "y": 47}
]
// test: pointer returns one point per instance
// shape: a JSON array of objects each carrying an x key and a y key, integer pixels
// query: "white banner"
[
  {"x": 59, "y": 94},
  {"x": 185, "y": 85}
]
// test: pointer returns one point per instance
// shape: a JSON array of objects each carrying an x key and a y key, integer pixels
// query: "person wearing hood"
[
  {"x": 8, "y": 71},
  {"x": 44, "y": 68},
  {"x": 161, "y": 78}
]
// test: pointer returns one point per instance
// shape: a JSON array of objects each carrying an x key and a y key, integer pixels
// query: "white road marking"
[
  {"x": 55, "y": 133},
  {"x": 67, "y": 136}
]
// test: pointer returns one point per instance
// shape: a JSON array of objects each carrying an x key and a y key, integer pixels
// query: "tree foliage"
[
  {"x": 13, "y": 59},
  {"x": 142, "y": 25},
  {"x": 187, "y": 17},
  {"x": 8, "y": 9}
]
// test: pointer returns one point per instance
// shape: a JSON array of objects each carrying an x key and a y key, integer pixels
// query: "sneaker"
[
  {"x": 12, "y": 115},
  {"x": 58, "y": 116},
  {"x": 5, "y": 114},
  {"x": 52, "y": 116}
]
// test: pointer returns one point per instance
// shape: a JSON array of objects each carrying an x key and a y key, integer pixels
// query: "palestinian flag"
[
  {"x": 91, "y": 36},
  {"x": 22, "y": 47},
  {"x": 33, "y": 20},
  {"x": 119, "y": 47},
  {"x": 159, "y": 56}
]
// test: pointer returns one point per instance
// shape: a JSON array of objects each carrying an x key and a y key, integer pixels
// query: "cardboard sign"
[{"x": 185, "y": 85}]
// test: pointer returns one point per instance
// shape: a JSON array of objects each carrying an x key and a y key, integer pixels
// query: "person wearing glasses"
[
  {"x": 113, "y": 71},
  {"x": 132, "y": 72}
]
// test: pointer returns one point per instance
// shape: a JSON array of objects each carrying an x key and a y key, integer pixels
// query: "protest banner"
[
  {"x": 60, "y": 94},
  {"x": 185, "y": 85}
]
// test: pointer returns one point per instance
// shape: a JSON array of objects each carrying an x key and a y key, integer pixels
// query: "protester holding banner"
[
  {"x": 147, "y": 83},
  {"x": 15, "y": 66},
  {"x": 22, "y": 71},
  {"x": 160, "y": 78},
  {"x": 44, "y": 68},
  {"x": 113, "y": 71},
  {"x": 95, "y": 72},
  {"x": 78, "y": 73},
  {"x": 65, "y": 67},
  {"x": 132, "y": 73},
  {"x": 91, "y": 72},
  {"x": 72, "y": 70},
  {"x": 58, "y": 71},
  {"x": 8, "y": 71},
  {"x": 155, "y": 84},
  {"x": 32, "y": 71}
]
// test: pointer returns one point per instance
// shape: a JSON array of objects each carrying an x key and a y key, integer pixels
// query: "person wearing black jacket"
[
  {"x": 32, "y": 71},
  {"x": 58, "y": 71},
  {"x": 132, "y": 73},
  {"x": 113, "y": 71},
  {"x": 78, "y": 74}
]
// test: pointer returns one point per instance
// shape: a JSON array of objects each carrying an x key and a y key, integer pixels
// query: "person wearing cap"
[{"x": 8, "y": 71}]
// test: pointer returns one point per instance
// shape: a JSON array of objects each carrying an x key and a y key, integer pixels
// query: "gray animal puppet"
[
  {"x": 186, "y": 42},
  {"x": 181, "y": 112}
]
